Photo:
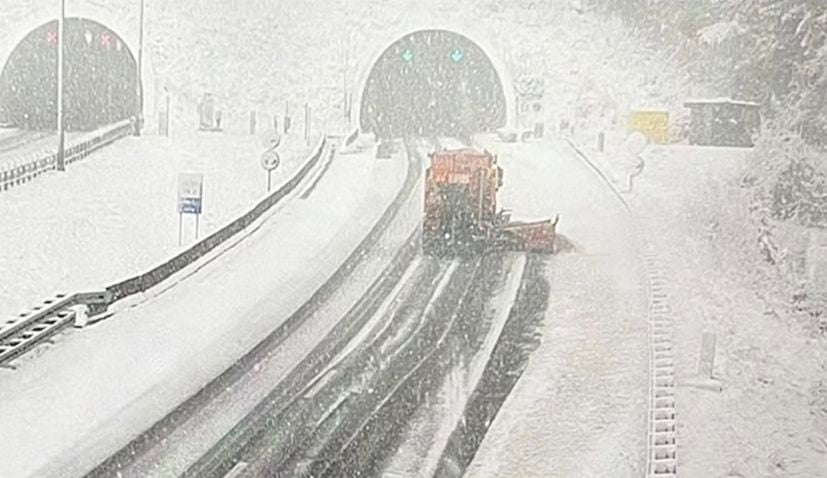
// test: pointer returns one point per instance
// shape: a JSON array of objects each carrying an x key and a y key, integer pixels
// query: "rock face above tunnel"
[
  {"x": 100, "y": 73},
  {"x": 433, "y": 82}
]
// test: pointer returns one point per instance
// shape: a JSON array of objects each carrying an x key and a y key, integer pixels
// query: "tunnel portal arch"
[
  {"x": 433, "y": 82},
  {"x": 101, "y": 85}
]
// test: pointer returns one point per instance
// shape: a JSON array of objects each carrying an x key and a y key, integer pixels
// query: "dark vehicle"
[{"x": 723, "y": 122}]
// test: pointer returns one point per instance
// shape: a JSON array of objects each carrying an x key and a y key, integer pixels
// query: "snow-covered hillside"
[{"x": 770, "y": 417}]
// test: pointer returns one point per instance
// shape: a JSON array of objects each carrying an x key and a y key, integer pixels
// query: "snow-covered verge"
[
  {"x": 729, "y": 269},
  {"x": 114, "y": 214},
  {"x": 786, "y": 186},
  {"x": 770, "y": 419}
]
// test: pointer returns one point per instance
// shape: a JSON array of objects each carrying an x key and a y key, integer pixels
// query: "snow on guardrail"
[
  {"x": 26, "y": 169},
  {"x": 21, "y": 333},
  {"x": 144, "y": 281}
]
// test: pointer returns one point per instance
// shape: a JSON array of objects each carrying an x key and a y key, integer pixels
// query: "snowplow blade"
[{"x": 536, "y": 236}]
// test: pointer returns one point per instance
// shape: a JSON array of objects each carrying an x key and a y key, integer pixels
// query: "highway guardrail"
[
  {"x": 24, "y": 170},
  {"x": 21, "y": 333}
]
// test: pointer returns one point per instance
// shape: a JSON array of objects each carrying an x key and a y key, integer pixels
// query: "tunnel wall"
[
  {"x": 100, "y": 78},
  {"x": 121, "y": 18},
  {"x": 388, "y": 38}
]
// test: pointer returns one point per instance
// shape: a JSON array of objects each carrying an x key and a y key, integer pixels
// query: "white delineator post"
[
  {"x": 706, "y": 363},
  {"x": 81, "y": 315}
]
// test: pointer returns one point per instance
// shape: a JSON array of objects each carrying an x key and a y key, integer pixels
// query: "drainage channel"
[{"x": 661, "y": 459}]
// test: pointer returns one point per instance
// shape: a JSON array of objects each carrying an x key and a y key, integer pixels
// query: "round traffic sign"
[
  {"x": 270, "y": 160},
  {"x": 271, "y": 141}
]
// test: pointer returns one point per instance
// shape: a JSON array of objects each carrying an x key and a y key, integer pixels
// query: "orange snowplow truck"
[{"x": 461, "y": 214}]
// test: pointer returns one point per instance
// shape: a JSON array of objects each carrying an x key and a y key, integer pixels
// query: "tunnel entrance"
[
  {"x": 100, "y": 78},
  {"x": 432, "y": 82}
]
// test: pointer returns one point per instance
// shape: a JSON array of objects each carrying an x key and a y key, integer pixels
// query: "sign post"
[
  {"x": 287, "y": 121},
  {"x": 190, "y": 194},
  {"x": 60, "y": 164},
  {"x": 530, "y": 92},
  {"x": 270, "y": 160}
]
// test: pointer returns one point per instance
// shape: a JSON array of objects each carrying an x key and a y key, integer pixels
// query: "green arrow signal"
[
  {"x": 407, "y": 55},
  {"x": 457, "y": 55}
]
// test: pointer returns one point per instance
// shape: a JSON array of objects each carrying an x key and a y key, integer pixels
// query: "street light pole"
[
  {"x": 61, "y": 142},
  {"x": 139, "y": 100}
]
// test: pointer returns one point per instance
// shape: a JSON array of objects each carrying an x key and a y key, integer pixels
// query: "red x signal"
[
  {"x": 106, "y": 40},
  {"x": 51, "y": 37}
]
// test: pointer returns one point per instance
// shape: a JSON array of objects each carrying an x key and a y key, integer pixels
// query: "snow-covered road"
[
  {"x": 580, "y": 408},
  {"x": 67, "y": 409}
]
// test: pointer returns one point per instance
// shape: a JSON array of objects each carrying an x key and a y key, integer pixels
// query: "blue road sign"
[{"x": 189, "y": 205}]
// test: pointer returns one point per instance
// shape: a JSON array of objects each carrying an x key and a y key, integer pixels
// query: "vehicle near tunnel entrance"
[
  {"x": 461, "y": 214},
  {"x": 100, "y": 87}
]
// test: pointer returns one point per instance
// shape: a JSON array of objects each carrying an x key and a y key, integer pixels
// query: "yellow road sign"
[{"x": 654, "y": 124}]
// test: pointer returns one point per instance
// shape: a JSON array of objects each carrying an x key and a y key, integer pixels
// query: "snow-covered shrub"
[
  {"x": 790, "y": 179},
  {"x": 787, "y": 181}
]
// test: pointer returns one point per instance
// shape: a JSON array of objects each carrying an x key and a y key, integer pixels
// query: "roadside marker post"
[
  {"x": 270, "y": 161},
  {"x": 190, "y": 196}
]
